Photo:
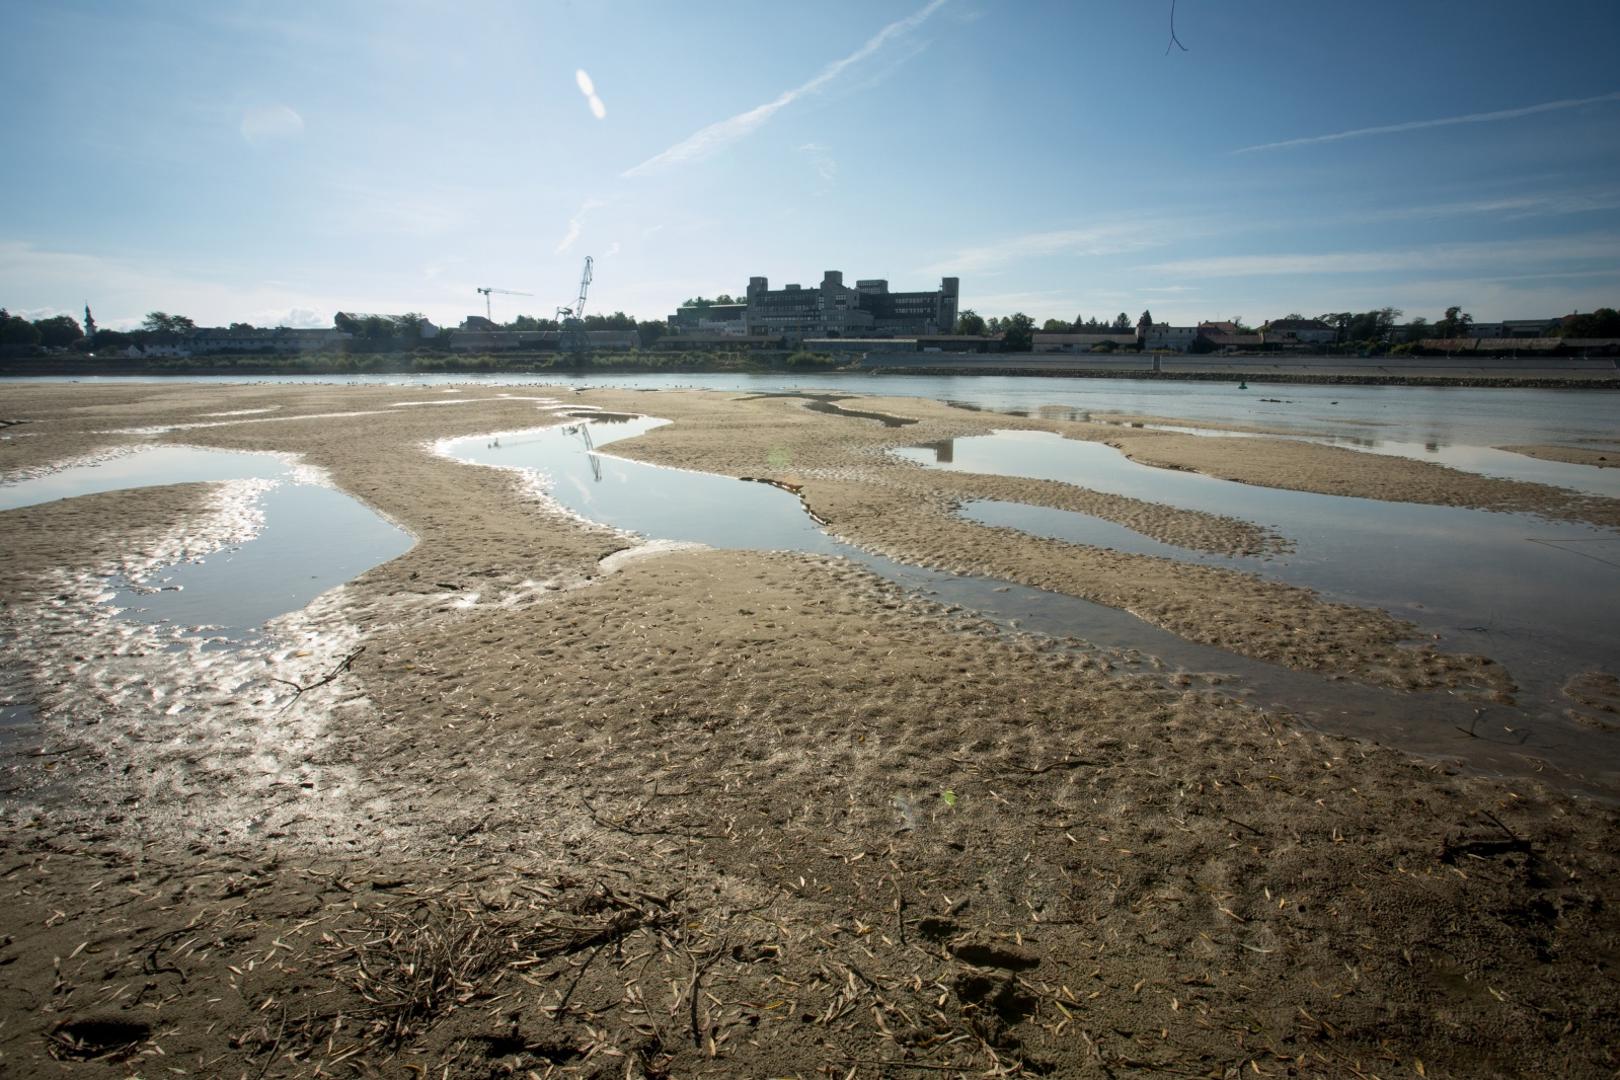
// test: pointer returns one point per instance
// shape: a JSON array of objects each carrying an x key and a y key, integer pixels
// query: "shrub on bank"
[{"x": 803, "y": 360}]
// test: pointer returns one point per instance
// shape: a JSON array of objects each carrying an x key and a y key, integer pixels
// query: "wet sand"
[
  {"x": 732, "y": 813},
  {"x": 1602, "y": 458},
  {"x": 1332, "y": 470},
  {"x": 1144, "y": 420},
  {"x": 1347, "y": 472}
]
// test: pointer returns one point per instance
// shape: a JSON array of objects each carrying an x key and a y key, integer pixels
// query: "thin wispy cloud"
[
  {"x": 1030, "y": 301},
  {"x": 1465, "y": 256},
  {"x": 1511, "y": 208},
  {"x": 121, "y": 289},
  {"x": 1116, "y": 239},
  {"x": 576, "y": 224},
  {"x": 357, "y": 205},
  {"x": 821, "y": 158},
  {"x": 574, "y": 228},
  {"x": 723, "y": 133},
  {"x": 271, "y": 124},
  {"x": 895, "y": 59},
  {"x": 1445, "y": 121}
]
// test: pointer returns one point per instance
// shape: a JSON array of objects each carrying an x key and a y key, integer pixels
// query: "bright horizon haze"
[{"x": 277, "y": 162}]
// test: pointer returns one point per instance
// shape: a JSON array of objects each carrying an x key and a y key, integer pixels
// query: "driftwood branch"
[
  {"x": 620, "y": 826},
  {"x": 1066, "y": 763},
  {"x": 299, "y": 688}
]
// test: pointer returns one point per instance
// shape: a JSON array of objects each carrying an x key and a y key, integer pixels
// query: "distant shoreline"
[
  {"x": 1596, "y": 382},
  {"x": 744, "y": 364}
]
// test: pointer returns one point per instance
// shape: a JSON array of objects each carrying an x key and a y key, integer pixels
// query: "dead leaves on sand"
[
  {"x": 412, "y": 965},
  {"x": 569, "y": 976}
]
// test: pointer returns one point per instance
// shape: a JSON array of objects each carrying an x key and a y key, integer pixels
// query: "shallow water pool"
[
  {"x": 312, "y": 538},
  {"x": 660, "y": 503},
  {"x": 1536, "y": 595},
  {"x": 150, "y": 467},
  {"x": 1481, "y": 460}
]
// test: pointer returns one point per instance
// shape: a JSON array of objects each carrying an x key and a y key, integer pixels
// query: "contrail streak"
[{"x": 1418, "y": 125}]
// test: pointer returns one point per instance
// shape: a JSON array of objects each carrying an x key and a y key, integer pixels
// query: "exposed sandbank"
[
  {"x": 731, "y": 813},
  {"x": 1605, "y": 458}
]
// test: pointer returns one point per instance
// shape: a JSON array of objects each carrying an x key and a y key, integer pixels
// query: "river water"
[{"x": 1422, "y": 415}]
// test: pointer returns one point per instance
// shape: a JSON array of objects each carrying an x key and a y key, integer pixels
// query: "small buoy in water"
[{"x": 1243, "y": 385}]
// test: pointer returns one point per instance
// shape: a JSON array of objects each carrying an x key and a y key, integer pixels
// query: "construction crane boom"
[
  {"x": 584, "y": 286},
  {"x": 487, "y": 289},
  {"x": 571, "y": 320}
]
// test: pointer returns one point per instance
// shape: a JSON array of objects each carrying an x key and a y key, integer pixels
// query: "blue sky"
[{"x": 276, "y": 161}]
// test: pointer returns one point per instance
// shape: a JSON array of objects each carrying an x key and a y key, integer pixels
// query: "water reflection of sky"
[
  {"x": 1519, "y": 578},
  {"x": 1484, "y": 460},
  {"x": 312, "y": 538},
  {"x": 665, "y": 504},
  {"x": 145, "y": 468}
]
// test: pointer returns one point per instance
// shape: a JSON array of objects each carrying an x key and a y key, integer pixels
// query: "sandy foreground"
[
  {"x": 1603, "y": 457},
  {"x": 498, "y": 808}
]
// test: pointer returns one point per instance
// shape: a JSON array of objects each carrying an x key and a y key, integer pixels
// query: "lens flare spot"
[{"x": 588, "y": 88}]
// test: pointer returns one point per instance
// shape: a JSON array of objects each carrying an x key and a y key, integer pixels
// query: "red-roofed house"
[{"x": 1298, "y": 332}]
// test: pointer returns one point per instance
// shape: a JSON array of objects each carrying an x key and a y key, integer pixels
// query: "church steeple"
[{"x": 89, "y": 323}]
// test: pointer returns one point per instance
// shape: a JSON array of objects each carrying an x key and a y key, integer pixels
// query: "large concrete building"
[
  {"x": 724, "y": 319},
  {"x": 279, "y": 339},
  {"x": 835, "y": 310},
  {"x": 489, "y": 341},
  {"x": 1514, "y": 328}
]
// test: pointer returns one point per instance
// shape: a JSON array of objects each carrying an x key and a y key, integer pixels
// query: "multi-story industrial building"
[
  {"x": 279, "y": 339},
  {"x": 834, "y": 310},
  {"x": 1513, "y": 328},
  {"x": 709, "y": 318}
]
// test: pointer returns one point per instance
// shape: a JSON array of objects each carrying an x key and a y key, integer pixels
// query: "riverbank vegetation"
[
  {"x": 168, "y": 344},
  {"x": 422, "y": 361}
]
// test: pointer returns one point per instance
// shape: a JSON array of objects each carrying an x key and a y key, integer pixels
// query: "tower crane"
[
  {"x": 571, "y": 320},
  {"x": 486, "y": 290}
]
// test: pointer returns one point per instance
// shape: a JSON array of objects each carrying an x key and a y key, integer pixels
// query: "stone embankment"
[{"x": 1555, "y": 372}]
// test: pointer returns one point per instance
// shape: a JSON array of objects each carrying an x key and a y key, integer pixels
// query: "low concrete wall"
[
  {"x": 1406, "y": 365},
  {"x": 1030, "y": 361},
  {"x": 1259, "y": 367}
]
